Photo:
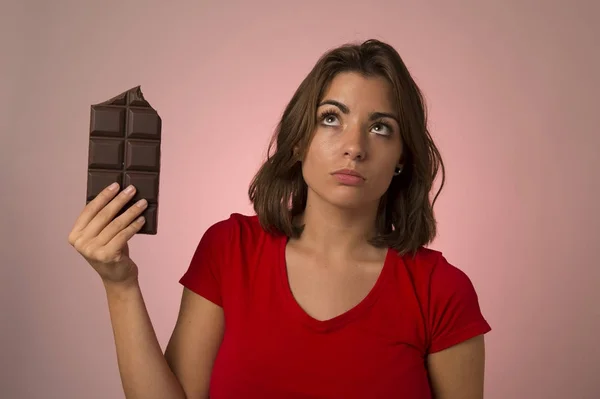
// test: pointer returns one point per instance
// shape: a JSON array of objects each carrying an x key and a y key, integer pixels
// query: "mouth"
[
  {"x": 348, "y": 172},
  {"x": 349, "y": 177}
]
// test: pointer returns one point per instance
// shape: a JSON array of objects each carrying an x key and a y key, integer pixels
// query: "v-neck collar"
[{"x": 336, "y": 322}]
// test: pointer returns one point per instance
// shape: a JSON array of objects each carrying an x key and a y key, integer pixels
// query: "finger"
[
  {"x": 121, "y": 239},
  {"x": 121, "y": 222},
  {"x": 94, "y": 206},
  {"x": 108, "y": 212}
]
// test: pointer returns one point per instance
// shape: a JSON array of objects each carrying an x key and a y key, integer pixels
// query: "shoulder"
[
  {"x": 429, "y": 267},
  {"x": 237, "y": 227},
  {"x": 236, "y": 234},
  {"x": 221, "y": 253},
  {"x": 447, "y": 298}
]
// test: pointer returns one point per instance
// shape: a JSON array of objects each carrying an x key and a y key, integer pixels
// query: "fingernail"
[
  {"x": 129, "y": 190},
  {"x": 142, "y": 203},
  {"x": 113, "y": 186}
]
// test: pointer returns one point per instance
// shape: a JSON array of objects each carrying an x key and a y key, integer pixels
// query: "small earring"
[{"x": 398, "y": 171}]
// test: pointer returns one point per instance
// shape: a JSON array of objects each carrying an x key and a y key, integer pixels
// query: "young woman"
[{"x": 328, "y": 291}]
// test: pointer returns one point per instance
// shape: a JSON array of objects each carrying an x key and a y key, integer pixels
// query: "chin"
[{"x": 349, "y": 198}]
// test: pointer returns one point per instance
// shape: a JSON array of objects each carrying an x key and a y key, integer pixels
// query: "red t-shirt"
[{"x": 273, "y": 349}]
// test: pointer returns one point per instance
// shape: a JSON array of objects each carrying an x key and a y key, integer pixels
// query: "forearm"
[{"x": 144, "y": 371}]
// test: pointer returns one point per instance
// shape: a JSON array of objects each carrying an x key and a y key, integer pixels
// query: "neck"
[{"x": 336, "y": 231}]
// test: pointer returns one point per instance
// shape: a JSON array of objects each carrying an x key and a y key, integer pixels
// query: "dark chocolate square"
[
  {"x": 99, "y": 179},
  {"x": 106, "y": 153},
  {"x": 108, "y": 122},
  {"x": 143, "y": 124},
  {"x": 142, "y": 156}
]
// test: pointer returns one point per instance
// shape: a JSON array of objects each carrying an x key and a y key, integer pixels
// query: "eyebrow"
[{"x": 374, "y": 115}]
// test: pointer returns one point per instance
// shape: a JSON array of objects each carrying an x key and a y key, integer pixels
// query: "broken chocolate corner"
[{"x": 124, "y": 147}]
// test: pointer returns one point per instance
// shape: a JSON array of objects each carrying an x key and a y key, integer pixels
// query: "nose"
[{"x": 354, "y": 144}]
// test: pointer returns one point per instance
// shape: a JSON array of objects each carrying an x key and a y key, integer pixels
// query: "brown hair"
[{"x": 405, "y": 219}]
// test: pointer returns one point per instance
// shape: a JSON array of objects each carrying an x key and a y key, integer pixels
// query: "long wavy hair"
[{"x": 405, "y": 218}]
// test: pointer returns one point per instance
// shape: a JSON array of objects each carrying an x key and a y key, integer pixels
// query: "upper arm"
[
  {"x": 194, "y": 344},
  {"x": 458, "y": 371},
  {"x": 198, "y": 332},
  {"x": 456, "y": 352}
]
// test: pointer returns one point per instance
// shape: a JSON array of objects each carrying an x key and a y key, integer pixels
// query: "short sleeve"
[
  {"x": 454, "y": 312},
  {"x": 204, "y": 273}
]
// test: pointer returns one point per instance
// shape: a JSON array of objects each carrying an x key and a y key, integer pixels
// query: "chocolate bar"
[{"x": 124, "y": 147}]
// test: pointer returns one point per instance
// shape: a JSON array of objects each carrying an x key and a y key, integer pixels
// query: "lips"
[
  {"x": 348, "y": 177},
  {"x": 348, "y": 172}
]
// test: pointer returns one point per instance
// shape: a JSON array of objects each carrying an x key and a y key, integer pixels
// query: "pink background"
[{"x": 513, "y": 94}]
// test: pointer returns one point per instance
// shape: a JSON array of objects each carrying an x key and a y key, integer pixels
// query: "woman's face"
[{"x": 357, "y": 133}]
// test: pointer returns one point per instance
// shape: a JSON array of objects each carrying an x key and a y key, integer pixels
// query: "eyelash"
[{"x": 328, "y": 113}]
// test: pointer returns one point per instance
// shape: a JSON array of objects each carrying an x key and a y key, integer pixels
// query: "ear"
[
  {"x": 296, "y": 153},
  {"x": 400, "y": 163},
  {"x": 399, "y": 167}
]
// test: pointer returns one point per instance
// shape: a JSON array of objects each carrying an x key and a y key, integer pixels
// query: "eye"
[
  {"x": 329, "y": 118},
  {"x": 382, "y": 129}
]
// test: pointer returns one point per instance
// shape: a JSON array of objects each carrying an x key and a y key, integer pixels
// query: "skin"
[{"x": 331, "y": 267}]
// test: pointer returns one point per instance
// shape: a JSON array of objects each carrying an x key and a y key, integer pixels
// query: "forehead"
[{"x": 359, "y": 92}]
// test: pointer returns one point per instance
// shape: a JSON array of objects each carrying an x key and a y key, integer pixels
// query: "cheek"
[
  {"x": 383, "y": 181},
  {"x": 386, "y": 165},
  {"x": 320, "y": 153}
]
